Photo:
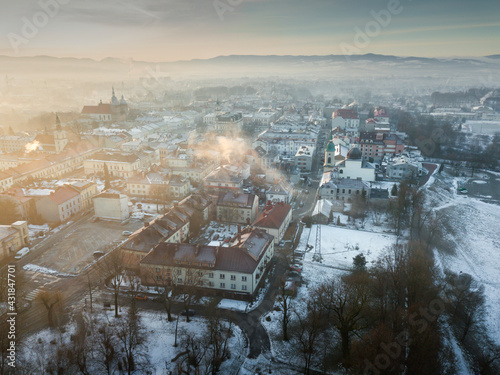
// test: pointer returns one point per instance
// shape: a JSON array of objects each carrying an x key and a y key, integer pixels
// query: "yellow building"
[{"x": 13, "y": 237}]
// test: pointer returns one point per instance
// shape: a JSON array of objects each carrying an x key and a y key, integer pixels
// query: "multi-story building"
[
  {"x": 54, "y": 166},
  {"x": 346, "y": 120},
  {"x": 375, "y": 145},
  {"x": 111, "y": 206},
  {"x": 235, "y": 271},
  {"x": 6, "y": 181},
  {"x": 228, "y": 123},
  {"x": 172, "y": 227},
  {"x": 154, "y": 184},
  {"x": 60, "y": 205},
  {"x": 344, "y": 190},
  {"x": 237, "y": 208},
  {"x": 285, "y": 143},
  {"x": 223, "y": 179},
  {"x": 402, "y": 167},
  {"x": 275, "y": 220},
  {"x": 13, "y": 237},
  {"x": 279, "y": 192},
  {"x": 352, "y": 166},
  {"x": 119, "y": 164},
  {"x": 304, "y": 158},
  {"x": 13, "y": 143},
  {"x": 87, "y": 190}
]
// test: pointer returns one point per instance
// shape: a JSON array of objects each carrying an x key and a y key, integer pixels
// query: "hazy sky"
[{"x": 168, "y": 30}]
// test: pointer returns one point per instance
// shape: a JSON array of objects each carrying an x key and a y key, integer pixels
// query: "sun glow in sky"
[{"x": 171, "y": 30}]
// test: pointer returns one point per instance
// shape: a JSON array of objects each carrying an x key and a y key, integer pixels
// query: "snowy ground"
[
  {"x": 473, "y": 237},
  {"x": 37, "y": 231},
  {"x": 340, "y": 245},
  {"x": 160, "y": 339}
]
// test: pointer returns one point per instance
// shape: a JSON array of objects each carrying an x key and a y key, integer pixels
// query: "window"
[
  {"x": 222, "y": 285},
  {"x": 158, "y": 277},
  {"x": 243, "y": 278},
  {"x": 157, "y": 269},
  {"x": 243, "y": 287},
  {"x": 233, "y": 286},
  {"x": 222, "y": 276},
  {"x": 233, "y": 277},
  {"x": 211, "y": 284}
]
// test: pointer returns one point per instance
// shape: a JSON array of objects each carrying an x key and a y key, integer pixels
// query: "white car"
[
  {"x": 22, "y": 252},
  {"x": 126, "y": 233}
]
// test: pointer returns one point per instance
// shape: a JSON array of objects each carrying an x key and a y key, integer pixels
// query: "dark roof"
[
  {"x": 114, "y": 156},
  {"x": 273, "y": 216},
  {"x": 243, "y": 256},
  {"x": 354, "y": 154},
  {"x": 236, "y": 200},
  {"x": 379, "y": 194},
  {"x": 143, "y": 241}
]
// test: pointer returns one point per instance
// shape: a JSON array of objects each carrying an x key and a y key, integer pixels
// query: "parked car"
[
  {"x": 141, "y": 297},
  {"x": 463, "y": 190},
  {"x": 22, "y": 252},
  {"x": 216, "y": 236},
  {"x": 126, "y": 233},
  {"x": 188, "y": 313}
]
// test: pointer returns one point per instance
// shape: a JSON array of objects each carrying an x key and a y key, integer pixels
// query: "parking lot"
[{"x": 71, "y": 249}]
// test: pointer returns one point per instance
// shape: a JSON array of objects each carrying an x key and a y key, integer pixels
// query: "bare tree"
[
  {"x": 344, "y": 303},
  {"x": 112, "y": 267},
  {"x": 105, "y": 343},
  {"x": 132, "y": 338},
  {"x": 465, "y": 302},
  {"x": 189, "y": 281},
  {"x": 307, "y": 331},
  {"x": 52, "y": 301},
  {"x": 284, "y": 301}
]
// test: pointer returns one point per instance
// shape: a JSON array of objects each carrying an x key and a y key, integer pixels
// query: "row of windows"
[{"x": 222, "y": 276}]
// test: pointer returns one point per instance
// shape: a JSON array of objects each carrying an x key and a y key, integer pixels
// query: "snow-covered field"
[
  {"x": 472, "y": 230},
  {"x": 340, "y": 245},
  {"x": 160, "y": 340}
]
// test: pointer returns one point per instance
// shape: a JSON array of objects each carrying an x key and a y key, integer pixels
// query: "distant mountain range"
[{"x": 329, "y": 66}]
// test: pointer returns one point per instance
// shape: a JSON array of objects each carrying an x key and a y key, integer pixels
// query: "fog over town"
[{"x": 250, "y": 187}]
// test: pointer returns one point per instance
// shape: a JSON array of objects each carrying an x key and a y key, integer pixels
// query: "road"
[{"x": 485, "y": 186}]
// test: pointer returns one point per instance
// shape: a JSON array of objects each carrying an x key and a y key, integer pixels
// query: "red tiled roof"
[
  {"x": 100, "y": 109},
  {"x": 63, "y": 194},
  {"x": 273, "y": 217}
]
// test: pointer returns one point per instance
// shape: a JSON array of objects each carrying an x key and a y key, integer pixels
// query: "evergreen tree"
[
  {"x": 359, "y": 262},
  {"x": 394, "y": 190}
]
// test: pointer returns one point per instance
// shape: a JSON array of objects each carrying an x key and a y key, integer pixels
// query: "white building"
[
  {"x": 235, "y": 271},
  {"x": 304, "y": 158},
  {"x": 353, "y": 167},
  {"x": 111, "y": 206}
]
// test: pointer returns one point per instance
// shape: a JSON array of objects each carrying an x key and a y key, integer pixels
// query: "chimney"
[
  {"x": 239, "y": 237},
  {"x": 239, "y": 228}
]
